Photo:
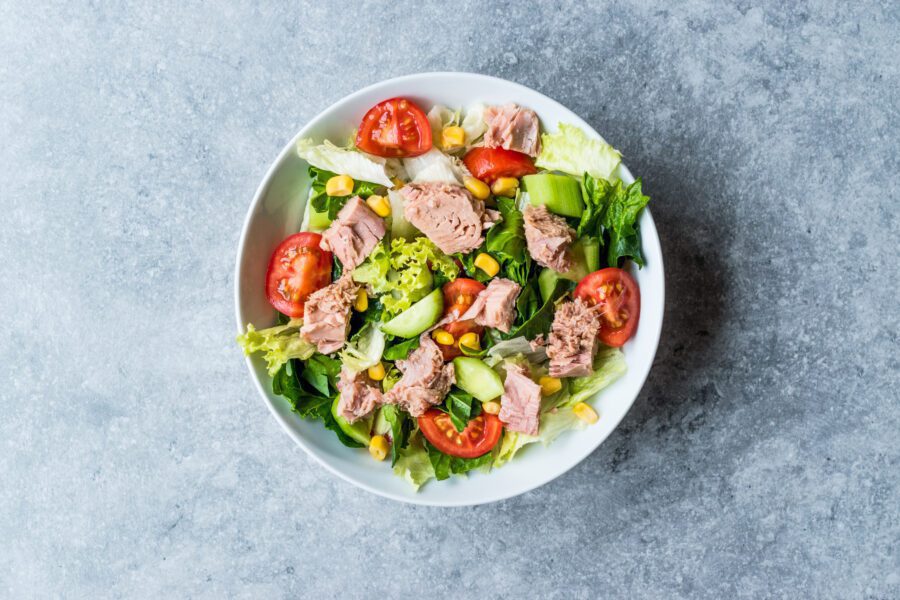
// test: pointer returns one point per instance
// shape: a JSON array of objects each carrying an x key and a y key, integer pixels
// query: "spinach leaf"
[
  {"x": 304, "y": 400},
  {"x": 401, "y": 425},
  {"x": 596, "y": 197},
  {"x": 461, "y": 406},
  {"x": 324, "y": 413},
  {"x": 620, "y": 220},
  {"x": 321, "y": 373},
  {"x": 401, "y": 350},
  {"x": 539, "y": 321},
  {"x": 506, "y": 240},
  {"x": 444, "y": 464}
]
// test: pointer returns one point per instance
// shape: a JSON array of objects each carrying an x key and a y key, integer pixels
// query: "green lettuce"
[
  {"x": 572, "y": 151},
  {"x": 413, "y": 463},
  {"x": 609, "y": 365},
  {"x": 359, "y": 166},
  {"x": 553, "y": 423},
  {"x": 364, "y": 350},
  {"x": 403, "y": 274},
  {"x": 327, "y": 205},
  {"x": 279, "y": 344},
  {"x": 445, "y": 465}
]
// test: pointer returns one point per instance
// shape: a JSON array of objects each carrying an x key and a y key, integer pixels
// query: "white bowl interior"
[{"x": 276, "y": 212}]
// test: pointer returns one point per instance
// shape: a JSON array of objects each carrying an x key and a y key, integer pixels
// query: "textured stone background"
[{"x": 761, "y": 459}]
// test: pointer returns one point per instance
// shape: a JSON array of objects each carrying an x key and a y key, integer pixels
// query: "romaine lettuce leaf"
[
  {"x": 611, "y": 212},
  {"x": 572, "y": 151},
  {"x": 609, "y": 365},
  {"x": 357, "y": 165},
  {"x": 364, "y": 350},
  {"x": 279, "y": 344},
  {"x": 553, "y": 423},
  {"x": 434, "y": 165},
  {"x": 413, "y": 463},
  {"x": 473, "y": 123}
]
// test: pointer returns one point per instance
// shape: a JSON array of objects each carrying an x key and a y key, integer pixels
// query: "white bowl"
[{"x": 275, "y": 213}]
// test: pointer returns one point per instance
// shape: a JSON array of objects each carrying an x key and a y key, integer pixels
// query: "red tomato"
[
  {"x": 619, "y": 299},
  {"x": 478, "y": 438},
  {"x": 297, "y": 269},
  {"x": 395, "y": 128},
  {"x": 487, "y": 164},
  {"x": 459, "y": 295}
]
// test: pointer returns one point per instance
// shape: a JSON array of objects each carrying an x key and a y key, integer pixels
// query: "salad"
[{"x": 458, "y": 286}]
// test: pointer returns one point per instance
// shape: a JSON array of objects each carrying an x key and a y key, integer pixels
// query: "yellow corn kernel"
[
  {"x": 478, "y": 188},
  {"x": 505, "y": 186},
  {"x": 362, "y": 301},
  {"x": 443, "y": 337},
  {"x": 487, "y": 263},
  {"x": 549, "y": 385},
  {"x": 585, "y": 413},
  {"x": 491, "y": 408},
  {"x": 378, "y": 447},
  {"x": 379, "y": 205},
  {"x": 453, "y": 138},
  {"x": 470, "y": 340},
  {"x": 339, "y": 185},
  {"x": 376, "y": 373},
  {"x": 398, "y": 183}
]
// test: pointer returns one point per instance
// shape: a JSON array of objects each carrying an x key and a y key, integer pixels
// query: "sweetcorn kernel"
[
  {"x": 478, "y": 188},
  {"x": 487, "y": 263},
  {"x": 378, "y": 447},
  {"x": 453, "y": 137},
  {"x": 362, "y": 301},
  {"x": 505, "y": 186},
  {"x": 339, "y": 185},
  {"x": 376, "y": 373},
  {"x": 443, "y": 337},
  {"x": 379, "y": 205},
  {"x": 549, "y": 385},
  {"x": 585, "y": 413},
  {"x": 470, "y": 340},
  {"x": 491, "y": 408}
]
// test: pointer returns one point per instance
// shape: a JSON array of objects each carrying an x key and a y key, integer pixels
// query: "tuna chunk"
[
  {"x": 426, "y": 379},
  {"x": 514, "y": 128},
  {"x": 327, "y": 315},
  {"x": 520, "y": 404},
  {"x": 448, "y": 214},
  {"x": 359, "y": 395},
  {"x": 548, "y": 237},
  {"x": 494, "y": 306},
  {"x": 573, "y": 340},
  {"x": 354, "y": 233}
]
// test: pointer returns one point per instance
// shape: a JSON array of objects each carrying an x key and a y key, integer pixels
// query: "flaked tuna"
[
  {"x": 360, "y": 395},
  {"x": 448, "y": 214},
  {"x": 520, "y": 405},
  {"x": 425, "y": 381},
  {"x": 495, "y": 305},
  {"x": 326, "y": 316},
  {"x": 573, "y": 339},
  {"x": 548, "y": 238},
  {"x": 354, "y": 233},
  {"x": 513, "y": 128}
]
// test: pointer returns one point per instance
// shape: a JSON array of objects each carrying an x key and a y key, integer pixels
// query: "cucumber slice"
[
  {"x": 561, "y": 194},
  {"x": 318, "y": 220},
  {"x": 358, "y": 430},
  {"x": 591, "y": 246},
  {"x": 475, "y": 377},
  {"x": 547, "y": 283},
  {"x": 418, "y": 317}
]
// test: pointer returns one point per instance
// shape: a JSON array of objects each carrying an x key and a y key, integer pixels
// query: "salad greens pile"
[{"x": 578, "y": 182}]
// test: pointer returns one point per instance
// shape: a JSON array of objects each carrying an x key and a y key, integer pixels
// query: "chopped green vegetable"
[
  {"x": 324, "y": 208},
  {"x": 478, "y": 379},
  {"x": 461, "y": 406},
  {"x": 561, "y": 194},
  {"x": 612, "y": 211},
  {"x": 400, "y": 424},
  {"x": 414, "y": 464},
  {"x": 540, "y": 319},
  {"x": 280, "y": 344},
  {"x": 551, "y": 426},
  {"x": 444, "y": 465},
  {"x": 418, "y": 317},
  {"x": 609, "y": 365},
  {"x": 402, "y": 274},
  {"x": 365, "y": 349},
  {"x": 402, "y": 349},
  {"x": 572, "y": 151}
]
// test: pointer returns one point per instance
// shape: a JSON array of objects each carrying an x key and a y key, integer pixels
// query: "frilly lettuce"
[
  {"x": 572, "y": 151},
  {"x": 403, "y": 275},
  {"x": 364, "y": 350},
  {"x": 280, "y": 344},
  {"x": 339, "y": 160}
]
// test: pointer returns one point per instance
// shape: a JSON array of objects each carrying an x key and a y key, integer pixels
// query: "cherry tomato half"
[
  {"x": 487, "y": 164},
  {"x": 478, "y": 438},
  {"x": 459, "y": 295},
  {"x": 619, "y": 299},
  {"x": 394, "y": 128},
  {"x": 297, "y": 269}
]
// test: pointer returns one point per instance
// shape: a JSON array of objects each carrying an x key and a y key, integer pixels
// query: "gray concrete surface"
[{"x": 761, "y": 459}]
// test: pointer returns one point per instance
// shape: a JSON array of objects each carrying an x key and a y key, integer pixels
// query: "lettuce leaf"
[
  {"x": 609, "y": 365},
  {"x": 321, "y": 202},
  {"x": 357, "y": 165},
  {"x": 445, "y": 465},
  {"x": 413, "y": 463},
  {"x": 461, "y": 406},
  {"x": 401, "y": 349},
  {"x": 473, "y": 123},
  {"x": 280, "y": 344},
  {"x": 553, "y": 423},
  {"x": 364, "y": 350},
  {"x": 403, "y": 274},
  {"x": 434, "y": 165},
  {"x": 572, "y": 151}
]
